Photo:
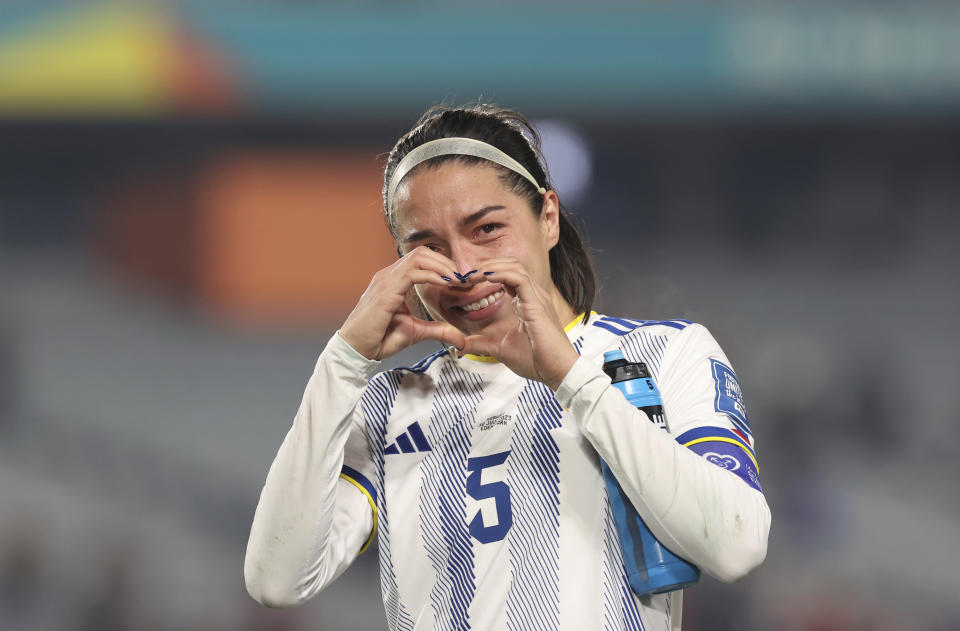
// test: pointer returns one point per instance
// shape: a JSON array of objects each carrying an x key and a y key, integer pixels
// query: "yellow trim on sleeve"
[
  {"x": 566, "y": 329},
  {"x": 723, "y": 439},
  {"x": 373, "y": 505}
]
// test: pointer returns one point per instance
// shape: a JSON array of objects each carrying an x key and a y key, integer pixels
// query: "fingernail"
[
  {"x": 446, "y": 278},
  {"x": 488, "y": 273}
]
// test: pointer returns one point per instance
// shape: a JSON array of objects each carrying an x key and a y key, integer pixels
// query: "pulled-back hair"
[{"x": 571, "y": 267}]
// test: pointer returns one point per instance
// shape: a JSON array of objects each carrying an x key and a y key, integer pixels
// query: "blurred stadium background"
[{"x": 189, "y": 206}]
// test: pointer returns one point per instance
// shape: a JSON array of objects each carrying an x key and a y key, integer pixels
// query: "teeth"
[{"x": 483, "y": 302}]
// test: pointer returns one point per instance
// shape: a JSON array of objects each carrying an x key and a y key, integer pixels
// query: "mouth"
[{"x": 482, "y": 308}]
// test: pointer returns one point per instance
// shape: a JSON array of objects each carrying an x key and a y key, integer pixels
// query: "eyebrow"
[{"x": 420, "y": 235}]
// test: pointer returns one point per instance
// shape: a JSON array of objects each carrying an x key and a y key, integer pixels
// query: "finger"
[
  {"x": 423, "y": 277},
  {"x": 442, "y": 331},
  {"x": 514, "y": 277},
  {"x": 416, "y": 268},
  {"x": 415, "y": 271},
  {"x": 491, "y": 267},
  {"x": 425, "y": 258},
  {"x": 479, "y": 345},
  {"x": 421, "y": 258},
  {"x": 487, "y": 269}
]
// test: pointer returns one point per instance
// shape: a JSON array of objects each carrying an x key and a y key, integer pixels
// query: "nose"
[{"x": 464, "y": 259}]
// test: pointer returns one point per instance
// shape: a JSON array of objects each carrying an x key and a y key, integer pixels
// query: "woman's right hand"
[{"x": 381, "y": 324}]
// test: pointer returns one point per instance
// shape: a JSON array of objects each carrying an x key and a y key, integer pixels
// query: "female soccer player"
[{"x": 478, "y": 468}]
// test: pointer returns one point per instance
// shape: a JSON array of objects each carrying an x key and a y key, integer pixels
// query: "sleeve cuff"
[
  {"x": 347, "y": 363},
  {"x": 582, "y": 373}
]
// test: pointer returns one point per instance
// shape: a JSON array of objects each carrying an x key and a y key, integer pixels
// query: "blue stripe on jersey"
[
  {"x": 720, "y": 433},
  {"x": 360, "y": 479},
  {"x": 677, "y": 324},
  {"x": 611, "y": 328},
  {"x": 533, "y": 601},
  {"x": 403, "y": 442},
  {"x": 418, "y": 438},
  {"x": 627, "y": 324},
  {"x": 619, "y": 605},
  {"x": 578, "y": 345},
  {"x": 376, "y": 403},
  {"x": 622, "y": 326},
  {"x": 424, "y": 363},
  {"x": 443, "y": 523},
  {"x": 645, "y": 347}
]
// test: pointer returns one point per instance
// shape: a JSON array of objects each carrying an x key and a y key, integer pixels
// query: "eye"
[
  {"x": 489, "y": 228},
  {"x": 435, "y": 248}
]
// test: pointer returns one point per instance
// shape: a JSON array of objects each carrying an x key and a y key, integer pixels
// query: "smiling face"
[{"x": 468, "y": 214}]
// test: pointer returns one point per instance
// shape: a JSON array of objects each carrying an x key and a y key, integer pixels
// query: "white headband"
[{"x": 454, "y": 146}]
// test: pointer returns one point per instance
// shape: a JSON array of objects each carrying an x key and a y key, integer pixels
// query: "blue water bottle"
[{"x": 651, "y": 568}]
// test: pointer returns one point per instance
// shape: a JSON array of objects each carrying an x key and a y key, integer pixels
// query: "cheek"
[{"x": 539, "y": 266}]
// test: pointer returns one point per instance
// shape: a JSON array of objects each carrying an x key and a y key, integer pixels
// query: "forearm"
[
  {"x": 306, "y": 525},
  {"x": 704, "y": 513}
]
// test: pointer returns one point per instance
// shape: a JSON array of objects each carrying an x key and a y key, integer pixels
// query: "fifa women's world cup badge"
[{"x": 729, "y": 399}]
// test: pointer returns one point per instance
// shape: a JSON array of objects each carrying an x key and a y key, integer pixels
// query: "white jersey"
[{"x": 485, "y": 493}]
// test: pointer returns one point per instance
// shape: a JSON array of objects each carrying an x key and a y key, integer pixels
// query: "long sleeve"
[
  {"x": 312, "y": 521},
  {"x": 694, "y": 504}
]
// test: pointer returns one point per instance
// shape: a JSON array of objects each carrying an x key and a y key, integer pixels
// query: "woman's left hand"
[{"x": 537, "y": 347}]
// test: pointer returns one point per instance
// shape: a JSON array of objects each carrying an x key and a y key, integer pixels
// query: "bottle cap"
[{"x": 613, "y": 355}]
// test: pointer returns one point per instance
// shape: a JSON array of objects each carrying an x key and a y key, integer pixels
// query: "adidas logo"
[{"x": 411, "y": 441}]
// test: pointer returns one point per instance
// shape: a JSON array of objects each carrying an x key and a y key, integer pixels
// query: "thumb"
[
  {"x": 479, "y": 345},
  {"x": 442, "y": 331}
]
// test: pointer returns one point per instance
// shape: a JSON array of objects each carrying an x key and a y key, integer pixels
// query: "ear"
[{"x": 550, "y": 219}]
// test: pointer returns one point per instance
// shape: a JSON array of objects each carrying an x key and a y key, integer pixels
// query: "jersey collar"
[{"x": 491, "y": 360}]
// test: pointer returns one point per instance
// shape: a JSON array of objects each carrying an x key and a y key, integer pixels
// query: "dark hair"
[{"x": 571, "y": 267}]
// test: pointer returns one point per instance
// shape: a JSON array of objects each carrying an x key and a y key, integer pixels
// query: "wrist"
[
  {"x": 345, "y": 334},
  {"x": 339, "y": 352},
  {"x": 580, "y": 374},
  {"x": 566, "y": 365}
]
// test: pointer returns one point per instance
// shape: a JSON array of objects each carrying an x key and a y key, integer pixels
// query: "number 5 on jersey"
[{"x": 500, "y": 493}]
